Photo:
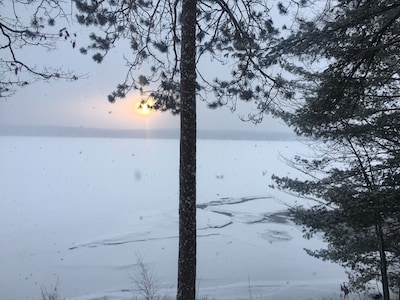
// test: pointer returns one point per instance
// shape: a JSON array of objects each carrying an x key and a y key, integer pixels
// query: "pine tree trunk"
[
  {"x": 398, "y": 286},
  {"x": 187, "y": 168},
  {"x": 382, "y": 255}
]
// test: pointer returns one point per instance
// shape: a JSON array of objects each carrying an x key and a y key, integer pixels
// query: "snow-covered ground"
[{"x": 81, "y": 209}]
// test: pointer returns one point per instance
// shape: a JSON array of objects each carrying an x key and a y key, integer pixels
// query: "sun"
[{"x": 144, "y": 109}]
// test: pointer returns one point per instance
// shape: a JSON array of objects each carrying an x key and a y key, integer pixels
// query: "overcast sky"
[{"x": 84, "y": 102}]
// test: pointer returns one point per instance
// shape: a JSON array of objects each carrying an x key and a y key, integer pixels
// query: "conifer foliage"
[{"x": 347, "y": 77}]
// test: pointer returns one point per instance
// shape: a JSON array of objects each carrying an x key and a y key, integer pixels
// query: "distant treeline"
[{"x": 59, "y": 131}]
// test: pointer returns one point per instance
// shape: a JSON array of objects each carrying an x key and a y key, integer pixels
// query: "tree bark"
[
  {"x": 383, "y": 263},
  {"x": 187, "y": 167}
]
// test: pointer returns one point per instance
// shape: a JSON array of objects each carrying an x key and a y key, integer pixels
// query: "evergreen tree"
[
  {"x": 346, "y": 74},
  {"x": 169, "y": 43}
]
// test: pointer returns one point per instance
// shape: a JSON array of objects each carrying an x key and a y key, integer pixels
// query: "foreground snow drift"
[{"x": 81, "y": 209}]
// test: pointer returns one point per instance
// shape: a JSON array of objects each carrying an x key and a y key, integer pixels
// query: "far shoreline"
[{"x": 173, "y": 133}]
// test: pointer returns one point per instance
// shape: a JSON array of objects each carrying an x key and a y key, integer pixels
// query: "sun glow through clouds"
[{"x": 144, "y": 108}]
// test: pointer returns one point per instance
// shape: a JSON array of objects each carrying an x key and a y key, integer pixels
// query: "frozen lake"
[{"x": 81, "y": 209}]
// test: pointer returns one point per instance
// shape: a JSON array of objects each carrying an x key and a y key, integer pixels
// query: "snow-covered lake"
[{"x": 81, "y": 209}]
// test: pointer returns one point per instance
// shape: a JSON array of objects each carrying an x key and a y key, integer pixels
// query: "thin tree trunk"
[
  {"x": 187, "y": 168},
  {"x": 398, "y": 286},
  {"x": 382, "y": 255}
]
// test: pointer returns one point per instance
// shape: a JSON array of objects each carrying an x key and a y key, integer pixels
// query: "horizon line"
[{"x": 156, "y": 133}]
